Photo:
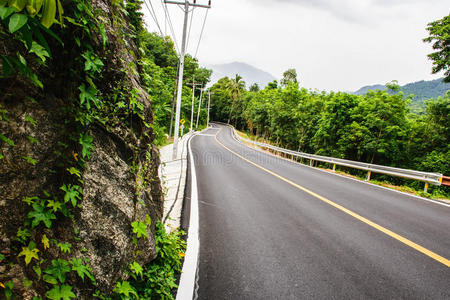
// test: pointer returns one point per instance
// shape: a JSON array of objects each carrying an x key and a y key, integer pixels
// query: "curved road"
[{"x": 274, "y": 229}]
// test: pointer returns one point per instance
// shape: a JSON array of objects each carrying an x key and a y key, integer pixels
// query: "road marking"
[
  {"x": 206, "y": 134},
  {"x": 386, "y": 231},
  {"x": 187, "y": 279}
]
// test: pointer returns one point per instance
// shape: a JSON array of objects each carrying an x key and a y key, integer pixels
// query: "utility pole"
[
  {"x": 199, "y": 106},
  {"x": 209, "y": 101},
  {"x": 186, "y": 5},
  {"x": 173, "y": 102}
]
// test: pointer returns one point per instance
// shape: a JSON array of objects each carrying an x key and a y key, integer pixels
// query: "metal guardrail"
[{"x": 427, "y": 177}]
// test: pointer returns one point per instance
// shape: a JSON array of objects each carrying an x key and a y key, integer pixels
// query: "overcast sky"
[{"x": 333, "y": 44}]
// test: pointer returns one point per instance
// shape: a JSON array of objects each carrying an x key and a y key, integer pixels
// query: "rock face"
[{"x": 115, "y": 193}]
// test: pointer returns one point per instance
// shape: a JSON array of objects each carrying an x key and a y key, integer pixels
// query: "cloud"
[{"x": 363, "y": 12}]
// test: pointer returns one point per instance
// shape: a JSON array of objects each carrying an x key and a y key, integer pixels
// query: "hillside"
[
  {"x": 250, "y": 73},
  {"x": 422, "y": 90}
]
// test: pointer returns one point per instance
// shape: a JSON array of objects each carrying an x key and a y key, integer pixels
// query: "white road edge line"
[
  {"x": 187, "y": 279},
  {"x": 354, "y": 179}
]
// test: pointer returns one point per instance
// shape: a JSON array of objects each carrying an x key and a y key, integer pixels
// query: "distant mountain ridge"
[
  {"x": 422, "y": 90},
  {"x": 250, "y": 74}
]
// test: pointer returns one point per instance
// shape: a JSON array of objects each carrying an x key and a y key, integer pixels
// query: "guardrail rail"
[{"x": 427, "y": 177}]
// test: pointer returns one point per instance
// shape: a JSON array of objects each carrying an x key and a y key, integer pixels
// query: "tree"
[
  {"x": 254, "y": 88},
  {"x": 440, "y": 37},
  {"x": 289, "y": 75},
  {"x": 236, "y": 86}
]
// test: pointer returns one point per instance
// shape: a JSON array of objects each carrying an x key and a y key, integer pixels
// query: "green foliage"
[
  {"x": 88, "y": 96},
  {"x": 29, "y": 253},
  {"x": 9, "y": 289},
  {"x": 58, "y": 269},
  {"x": 125, "y": 290},
  {"x": 40, "y": 214},
  {"x": 439, "y": 35},
  {"x": 23, "y": 235},
  {"x": 86, "y": 144},
  {"x": 6, "y": 140},
  {"x": 136, "y": 268},
  {"x": 63, "y": 292},
  {"x": 65, "y": 248},
  {"x": 82, "y": 269},
  {"x": 140, "y": 229},
  {"x": 30, "y": 160},
  {"x": 93, "y": 63},
  {"x": 376, "y": 127},
  {"x": 73, "y": 193},
  {"x": 156, "y": 280}
]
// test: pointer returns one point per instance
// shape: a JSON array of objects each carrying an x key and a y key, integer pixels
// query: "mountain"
[
  {"x": 422, "y": 90},
  {"x": 249, "y": 73}
]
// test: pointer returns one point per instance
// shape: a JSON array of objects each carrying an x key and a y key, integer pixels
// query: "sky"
[{"x": 339, "y": 45}]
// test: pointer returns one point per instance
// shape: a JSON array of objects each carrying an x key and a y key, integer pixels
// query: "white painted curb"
[{"x": 187, "y": 279}]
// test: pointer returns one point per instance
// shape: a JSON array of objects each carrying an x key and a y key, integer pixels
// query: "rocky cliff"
[{"x": 76, "y": 181}]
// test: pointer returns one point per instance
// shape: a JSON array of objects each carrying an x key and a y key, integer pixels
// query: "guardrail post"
[
  {"x": 368, "y": 175},
  {"x": 425, "y": 189},
  {"x": 334, "y": 167},
  {"x": 310, "y": 162}
]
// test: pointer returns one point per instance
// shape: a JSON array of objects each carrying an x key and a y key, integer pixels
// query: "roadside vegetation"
[
  {"x": 379, "y": 127},
  {"x": 63, "y": 48}
]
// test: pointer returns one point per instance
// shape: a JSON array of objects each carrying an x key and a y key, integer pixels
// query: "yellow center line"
[{"x": 386, "y": 231}]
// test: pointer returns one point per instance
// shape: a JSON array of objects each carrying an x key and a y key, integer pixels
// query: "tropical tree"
[
  {"x": 440, "y": 37},
  {"x": 289, "y": 75},
  {"x": 236, "y": 87}
]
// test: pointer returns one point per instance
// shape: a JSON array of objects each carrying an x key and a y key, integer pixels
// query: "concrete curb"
[{"x": 173, "y": 180}]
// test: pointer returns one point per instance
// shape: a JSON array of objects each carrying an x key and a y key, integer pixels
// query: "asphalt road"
[{"x": 280, "y": 230}]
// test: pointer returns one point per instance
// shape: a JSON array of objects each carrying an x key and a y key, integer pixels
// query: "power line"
[
  {"x": 153, "y": 15},
  {"x": 166, "y": 12},
  {"x": 182, "y": 290},
  {"x": 201, "y": 33},
  {"x": 190, "y": 26}
]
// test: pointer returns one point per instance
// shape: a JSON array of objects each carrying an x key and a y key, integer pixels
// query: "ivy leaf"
[
  {"x": 45, "y": 241},
  {"x": 81, "y": 269},
  {"x": 27, "y": 282},
  {"x": 16, "y": 22},
  {"x": 2, "y": 257},
  {"x": 29, "y": 254},
  {"x": 54, "y": 205},
  {"x": 33, "y": 140},
  {"x": 74, "y": 171},
  {"x": 6, "y": 140},
  {"x": 136, "y": 268},
  {"x": 30, "y": 200},
  {"x": 72, "y": 193},
  {"x": 5, "y": 12},
  {"x": 40, "y": 51},
  {"x": 50, "y": 279},
  {"x": 148, "y": 220},
  {"x": 92, "y": 62},
  {"x": 58, "y": 269},
  {"x": 139, "y": 228},
  {"x": 23, "y": 235},
  {"x": 88, "y": 95},
  {"x": 65, "y": 248},
  {"x": 63, "y": 292},
  {"x": 38, "y": 271},
  {"x": 124, "y": 288},
  {"x": 39, "y": 214},
  {"x": 86, "y": 144},
  {"x": 30, "y": 160}
]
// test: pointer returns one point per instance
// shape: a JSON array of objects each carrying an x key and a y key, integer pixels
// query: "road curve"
[{"x": 265, "y": 233}]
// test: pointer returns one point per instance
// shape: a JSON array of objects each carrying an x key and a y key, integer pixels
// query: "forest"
[{"x": 378, "y": 127}]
